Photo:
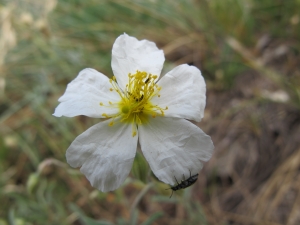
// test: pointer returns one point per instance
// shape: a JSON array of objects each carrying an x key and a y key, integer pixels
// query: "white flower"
[{"x": 138, "y": 107}]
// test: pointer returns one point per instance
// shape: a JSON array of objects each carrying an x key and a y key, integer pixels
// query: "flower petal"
[
  {"x": 84, "y": 94},
  {"x": 183, "y": 92},
  {"x": 105, "y": 154},
  {"x": 174, "y": 148},
  {"x": 130, "y": 55}
]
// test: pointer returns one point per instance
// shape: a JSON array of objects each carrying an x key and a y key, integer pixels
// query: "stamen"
[
  {"x": 135, "y": 106},
  {"x": 105, "y": 115}
]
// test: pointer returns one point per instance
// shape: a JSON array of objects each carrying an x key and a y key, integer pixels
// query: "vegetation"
[{"x": 249, "y": 54}]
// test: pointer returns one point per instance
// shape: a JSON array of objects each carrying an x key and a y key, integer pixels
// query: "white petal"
[
  {"x": 174, "y": 147},
  {"x": 130, "y": 55},
  {"x": 84, "y": 94},
  {"x": 105, "y": 154},
  {"x": 183, "y": 92}
]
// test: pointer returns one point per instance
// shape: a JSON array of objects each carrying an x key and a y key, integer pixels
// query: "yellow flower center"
[{"x": 135, "y": 106}]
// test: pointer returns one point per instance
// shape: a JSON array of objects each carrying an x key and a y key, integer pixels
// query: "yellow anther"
[
  {"x": 158, "y": 96},
  {"x": 135, "y": 106}
]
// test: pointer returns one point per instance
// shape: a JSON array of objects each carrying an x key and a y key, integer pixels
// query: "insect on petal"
[{"x": 174, "y": 147}]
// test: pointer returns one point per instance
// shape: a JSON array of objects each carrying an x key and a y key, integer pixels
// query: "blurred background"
[{"x": 249, "y": 54}]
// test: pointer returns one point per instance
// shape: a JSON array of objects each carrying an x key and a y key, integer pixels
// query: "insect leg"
[{"x": 171, "y": 194}]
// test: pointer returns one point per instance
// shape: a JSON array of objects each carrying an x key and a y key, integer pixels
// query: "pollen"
[
  {"x": 133, "y": 133},
  {"x": 136, "y": 103},
  {"x": 135, "y": 106}
]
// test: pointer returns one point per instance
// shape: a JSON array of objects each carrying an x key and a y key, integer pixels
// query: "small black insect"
[
  {"x": 140, "y": 99},
  {"x": 184, "y": 183}
]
